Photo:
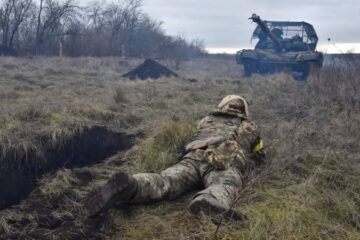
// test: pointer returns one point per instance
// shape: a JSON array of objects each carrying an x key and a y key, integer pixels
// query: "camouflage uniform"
[
  {"x": 218, "y": 158},
  {"x": 226, "y": 148}
]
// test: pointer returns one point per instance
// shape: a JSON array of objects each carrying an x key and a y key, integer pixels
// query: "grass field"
[{"x": 309, "y": 188}]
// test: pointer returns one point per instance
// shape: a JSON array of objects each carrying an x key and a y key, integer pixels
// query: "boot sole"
[
  {"x": 98, "y": 199},
  {"x": 214, "y": 211}
]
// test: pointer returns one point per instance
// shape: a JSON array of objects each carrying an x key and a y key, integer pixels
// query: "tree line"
[{"x": 65, "y": 27}]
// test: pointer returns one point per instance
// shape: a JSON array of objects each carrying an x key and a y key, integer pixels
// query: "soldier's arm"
[
  {"x": 202, "y": 122},
  {"x": 249, "y": 137}
]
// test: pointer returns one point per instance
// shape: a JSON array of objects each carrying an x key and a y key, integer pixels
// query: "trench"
[{"x": 90, "y": 146}]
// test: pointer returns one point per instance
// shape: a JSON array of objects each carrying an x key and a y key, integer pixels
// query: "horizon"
[{"x": 331, "y": 48}]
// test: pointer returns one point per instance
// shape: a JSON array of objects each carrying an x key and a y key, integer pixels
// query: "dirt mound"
[{"x": 149, "y": 69}]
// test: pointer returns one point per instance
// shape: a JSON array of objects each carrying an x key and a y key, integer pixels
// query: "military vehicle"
[{"x": 282, "y": 45}]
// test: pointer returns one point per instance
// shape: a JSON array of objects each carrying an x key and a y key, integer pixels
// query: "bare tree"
[
  {"x": 118, "y": 28},
  {"x": 38, "y": 28},
  {"x": 132, "y": 21},
  {"x": 21, "y": 12},
  {"x": 51, "y": 17},
  {"x": 94, "y": 13},
  {"x": 12, "y": 14}
]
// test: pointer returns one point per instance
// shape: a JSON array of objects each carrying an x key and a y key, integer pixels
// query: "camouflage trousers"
[{"x": 188, "y": 174}]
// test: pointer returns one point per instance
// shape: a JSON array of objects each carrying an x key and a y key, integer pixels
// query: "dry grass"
[
  {"x": 161, "y": 151},
  {"x": 309, "y": 190}
]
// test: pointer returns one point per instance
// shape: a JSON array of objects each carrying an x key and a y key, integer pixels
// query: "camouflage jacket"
[{"x": 224, "y": 140}]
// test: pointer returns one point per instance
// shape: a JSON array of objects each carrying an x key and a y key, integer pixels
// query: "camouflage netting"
[{"x": 150, "y": 69}]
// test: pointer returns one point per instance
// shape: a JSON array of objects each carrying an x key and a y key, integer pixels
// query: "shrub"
[{"x": 119, "y": 95}]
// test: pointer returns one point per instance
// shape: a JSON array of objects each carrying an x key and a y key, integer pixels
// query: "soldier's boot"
[
  {"x": 209, "y": 206},
  {"x": 120, "y": 187}
]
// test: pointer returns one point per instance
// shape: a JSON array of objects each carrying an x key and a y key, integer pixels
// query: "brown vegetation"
[
  {"x": 82, "y": 28},
  {"x": 308, "y": 190}
]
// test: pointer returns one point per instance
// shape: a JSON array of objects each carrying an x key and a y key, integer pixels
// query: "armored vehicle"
[{"x": 282, "y": 45}]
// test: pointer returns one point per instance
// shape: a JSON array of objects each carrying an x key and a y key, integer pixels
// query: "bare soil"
[
  {"x": 150, "y": 69},
  {"x": 91, "y": 145}
]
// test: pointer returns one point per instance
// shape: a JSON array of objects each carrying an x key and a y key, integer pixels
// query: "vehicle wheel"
[
  {"x": 250, "y": 67},
  {"x": 303, "y": 71},
  {"x": 265, "y": 68}
]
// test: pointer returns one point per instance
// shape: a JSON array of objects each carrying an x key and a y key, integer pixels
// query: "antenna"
[
  {"x": 329, "y": 41},
  {"x": 327, "y": 47}
]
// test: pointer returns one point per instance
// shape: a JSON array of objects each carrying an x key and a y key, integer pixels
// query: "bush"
[{"x": 119, "y": 96}]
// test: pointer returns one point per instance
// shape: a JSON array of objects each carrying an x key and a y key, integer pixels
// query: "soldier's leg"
[
  {"x": 222, "y": 187},
  {"x": 120, "y": 185},
  {"x": 170, "y": 183},
  {"x": 144, "y": 187}
]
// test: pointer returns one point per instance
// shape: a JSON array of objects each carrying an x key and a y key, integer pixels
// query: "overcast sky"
[{"x": 225, "y": 25}]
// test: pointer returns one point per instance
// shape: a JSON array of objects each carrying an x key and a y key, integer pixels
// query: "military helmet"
[{"x": 234, "y": 105}]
